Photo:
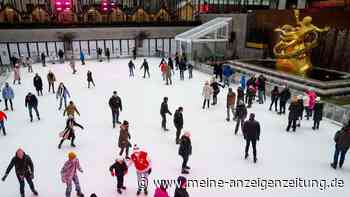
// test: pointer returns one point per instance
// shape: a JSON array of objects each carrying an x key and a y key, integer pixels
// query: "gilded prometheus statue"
[{"x": 293, "y": 49}]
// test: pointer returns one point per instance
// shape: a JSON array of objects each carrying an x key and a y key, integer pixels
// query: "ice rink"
[{"x": 217, "y": 152}]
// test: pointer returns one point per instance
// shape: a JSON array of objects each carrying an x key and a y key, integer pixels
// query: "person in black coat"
[
  {"x": 240, "y": 95},
  {"x": 241, "y": 114},
  {"x": 99, "y": 54},
  {"x": 342, "y": 144},
  {"x": 300, "y": 102},
  {"x": 293, "y": 114},
  {"x": 171, "y": 64},
  {"x": 163, "y": 111},
  {"x": 218, "y": 70},
  {"x": 43, "y": 59},
  {"x": 185, "y": 150},
  {"x": 32, "y": 103},
  {"x": 60, "y": 55},
  {"x": 90, "y": 79},
  {"x": 24, "y": 171},
  {"x": 251, "y": 132},
  {"x": 179, "y": 123},
  {"x": 180, "y": 190},
  {"x": 69, "y": 132},
  {"x": 250, "y": 82},
  {"x": 145, "y": 68},
  {"x": 38, "y": 84},
  {"x": 115, "y": 103},
  {"x": 216, "y": 88},
  {"x": 131, "y": 66},
  {"x": 318, "y": 113},
  {"x": 119, "y": 169},
  {"x": 182, "y": 67},
  {"x": 284, "y": 97},
  {"x": 261, "y": 89},
  {"x": 108, "y": 54},
  {"x": 134, "y": 55},
  {"x": 274, "y": 98}
]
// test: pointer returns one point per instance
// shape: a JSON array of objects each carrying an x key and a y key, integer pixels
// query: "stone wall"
[
  {"x": 239, "y": 26},
  {"x": 25, "y": 35}
]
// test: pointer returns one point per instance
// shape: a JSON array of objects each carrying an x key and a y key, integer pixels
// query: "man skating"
[
  {"x": 51, "y": 80},
  {"x": 179, "y": 123},
  {"x": 32, "y": 103},
  {"x": 251, "y": 133},
  {"x": 115, "y": 103},
  {"x": 69, "y": 132},
  {"x": 145, "y": 68},
  {"x": 38, "y": 84},
  {"x": 163, "y": 111}
]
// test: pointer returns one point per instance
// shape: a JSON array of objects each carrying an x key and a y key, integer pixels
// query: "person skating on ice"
[
  {"x": 119, "y": 169},
  {"x": 318, "y": 113},
  {"x": 17, "y": 74},
  {"x": 131, "y": 66},
  {"x": 62, "y": 94},
  {"x": 43, "y": 59},
  {"x": 171, "y": 64},
  {"x": 90, "y": 79},
  {"x": 293, "y": 114},
  {"x": 115, "y": 103},
  {"x": 142, "y": 163},
  {"x": 216, "y": 87},
  {"x": 185, "y": 150},
  {"x": 167, "y": 74},
  {"x": 251, "y": 133},
  {"x": 51, "y": 78},
  {"x": 82, "y": 58},
  {"x": 69, "y": 131},
  {"x": 230, "y": 104},
  {"x": 38, "y": 84},
  {"x": 108, "y": 54},
  {"x": 161, "y": 191},
  {"x": 182, "y": 67},
  {"x": 206, "y": 93},
  {"x": 179, "y": 123},
  {"x": 71, "y": 109},
  {"x": 274, "y": 98},
  {"x": 8, "y": 95},
  {"x": 24, "y": 171},
  {"x": 145, "y": 68},
  {"x": 227, "y": 73},
  {"x": 241, "y": 114},
  {"x": 162, "y": 68},
  {"x": 180, "y": 190},
  {"x": 72, "y": 65},
  {"x": 240, "y": 95},
  {"x": 29, "y": 64},
  {"x": 251, "y": 92},
  {"x": 284, "y": 97},
  {"x": 190, "y": 70},
  {"x": 61, "y": 56},
  {"x": 69, "y": 174},
  {"x": 3, "y": 117},
  {"x": 163, "y": 111},
  {"x": 124, "y": 139},
  {"x": 31, "y": 102},
  {"x": 342, "y": 144}
]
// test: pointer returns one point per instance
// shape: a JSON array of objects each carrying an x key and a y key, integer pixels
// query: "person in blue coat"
[
  {"x": 82, "y": 58},
  {"x": 62, "y": 94},
  {"x": 227, "y": 72},
  {"x": 242, "y": 82},
  {"x": 8, "y": 95}
]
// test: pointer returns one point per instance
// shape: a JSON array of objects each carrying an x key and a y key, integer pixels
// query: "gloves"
[
  {"x": 112, "y": 173},
  {"x": 149, "y": 171},
  {"x": 4, "y": 177}
]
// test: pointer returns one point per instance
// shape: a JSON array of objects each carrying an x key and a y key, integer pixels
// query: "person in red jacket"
[
  {"x": 2, "y": 125},
  {"x": 143, "y": 168}
]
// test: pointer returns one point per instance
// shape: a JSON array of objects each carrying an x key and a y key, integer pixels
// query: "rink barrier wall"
[{"x": 337, "y": 114}]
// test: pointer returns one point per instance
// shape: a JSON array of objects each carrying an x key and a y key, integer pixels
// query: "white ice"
[{"x": 217, "y": 152}]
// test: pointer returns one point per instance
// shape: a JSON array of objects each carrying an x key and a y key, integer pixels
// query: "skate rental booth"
[{"x": 205, "y": 42}]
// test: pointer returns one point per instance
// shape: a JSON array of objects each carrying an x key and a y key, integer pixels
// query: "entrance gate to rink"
[{"x": 156, "y": 47}]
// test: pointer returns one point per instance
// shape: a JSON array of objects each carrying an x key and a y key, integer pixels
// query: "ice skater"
[
  {"x": 38, "y": 84},
  {"x": 342, "y": 144},
  {"x": 51, "y": 78},
  {"x": 71, "y": 109},
  {"x": 108, "y": 54},
  {"x": 61, "y": 56},
  {"x": 185, "y": 150},
  {"x": 318, "y": 113},
  {"x": 206, "y": 93},
  {"x": 216, "y": 88},
  {"x": 180, "y": 190},
  {"x": 3, "y": 117},
  {"x": 163, "y": 111},
  {"x": 167, "y": 74},
  {"x": 131, "y": 68},
  {"x": 69, "y": 174},
  {"x": 43, "y": 59},
  {"x": 69, "y": 132},
  {"x": 24, "y": 171},
  {"x": 145, "y": 68},
  {"x": 178, "y": 123},
  {"x": 182, "y": 67},
  {"x": 251, "y": 133},
  {"x": 293, "y": 115},
  {"x": 62, "y": 94},
  {"x": 115, "y": 103},
  {"x": 82, "y": 58},
  {"x": 119, "y": 169},
  {"x": 72, "y": 65},
  {"x": 143, "y": 167},
  {"x": 29, "y": 64},
  {"x": 284, "y": 97},
  {"x": 90, "y": 79},
  {"x": 230, "y": 104},
  {"x": 17, "y": 74},
  {"x": 241, "y": 114},
  {"x": 274, "y": 98},
  {"x": 124, "y": 139},
  {"x": 32, "y": 103},
  {"x": 8, "y": 95}
]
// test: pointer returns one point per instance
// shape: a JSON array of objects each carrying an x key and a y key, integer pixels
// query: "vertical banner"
[
  {"x": 124, "y": 47},
  {"x": 76, "y": 49},
  {"x": 34, "y": 52},
  {"x": 5, "y": 58},
  {"x": 116, "y": 48}
]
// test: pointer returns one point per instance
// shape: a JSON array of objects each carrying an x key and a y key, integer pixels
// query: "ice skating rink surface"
[{"x": 217, "y": 153}]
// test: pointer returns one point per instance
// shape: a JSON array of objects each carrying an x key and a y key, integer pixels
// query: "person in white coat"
[{"x": 207, "y": 93}]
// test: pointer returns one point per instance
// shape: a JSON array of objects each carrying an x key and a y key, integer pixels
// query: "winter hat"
[
  {"x": 318, "y": 99},
  {"x": 182, "y": 181},
  {"x": 136, "y": 147},
  {"x": 125, "y": 122},
  {"x": 71, "y": 155},
  {"x": 93, "y": 195},
  {"x": 187, "y": 134},
  {"x": 251, "y": 116},
  {"x": 114, "y": 92}
]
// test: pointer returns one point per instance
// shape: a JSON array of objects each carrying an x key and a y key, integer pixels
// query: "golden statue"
[{"x": 293, "y": 49}]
